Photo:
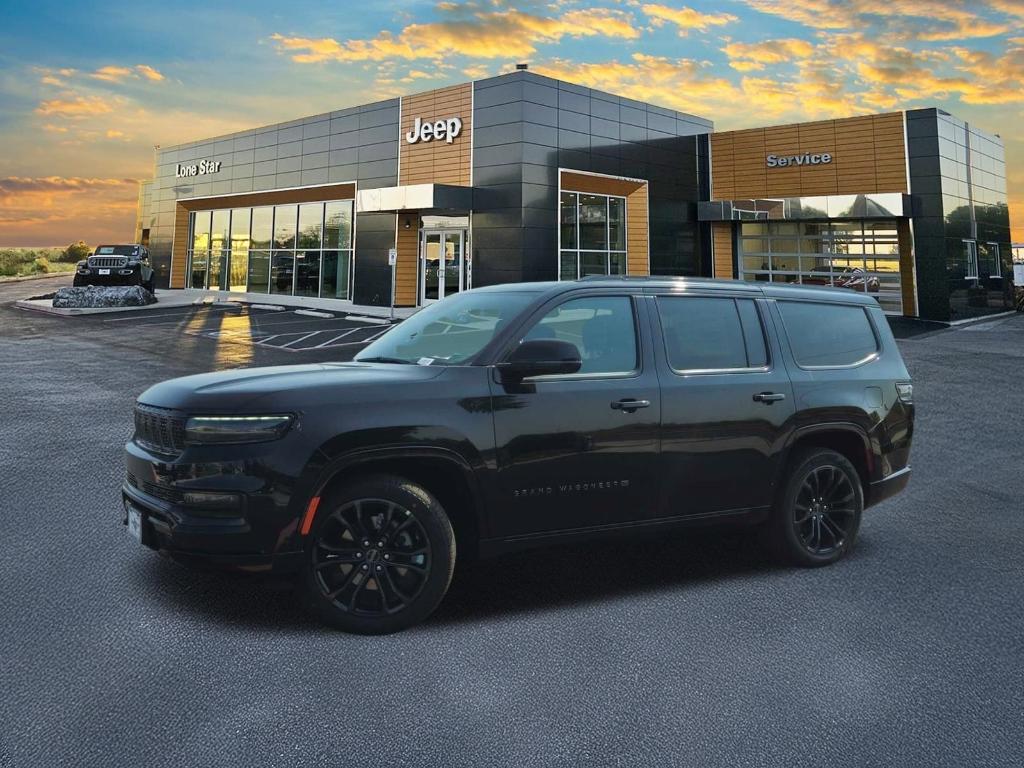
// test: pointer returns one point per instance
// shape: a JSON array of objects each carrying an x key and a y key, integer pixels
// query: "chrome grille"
[
  {"x": 114, "y": 262},
  {"x": 159, "y": 430}
]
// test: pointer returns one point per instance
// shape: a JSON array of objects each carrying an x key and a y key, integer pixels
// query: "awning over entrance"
[
  {"x": 414, "y": 197},
  {"x": 867, "y": 206}
]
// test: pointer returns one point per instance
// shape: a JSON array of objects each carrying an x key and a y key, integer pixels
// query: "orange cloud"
[
  {"x": 910, "y": 19},
  {"x": 746, "y": 57},
  {"x": 487, "y": 35},
  {"x": 148, "y": 72},
  {"x": 686, "y": 18},
  {"x": 55, "y": 210},
  {"x": 73, "y": 106},
  {"x": 112, "y": 74},
  {"x": 117, "y": 74}
]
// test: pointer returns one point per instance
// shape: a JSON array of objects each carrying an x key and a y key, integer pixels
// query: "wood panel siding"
[
  {"x": 437, "y": 161},
  {"x": 180, "y": 245},
  {"x": 407, "y": 243},
  {"x": 638, "y": 261},
  {"x": 721, "y": 249},
  {"x": 868, "y": 156}
]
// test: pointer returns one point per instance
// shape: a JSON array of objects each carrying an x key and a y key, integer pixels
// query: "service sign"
[
  {"x": 425, "y": 130},
  {"x": 202, "y": 168},
  {"x": 783, "y": 161}
]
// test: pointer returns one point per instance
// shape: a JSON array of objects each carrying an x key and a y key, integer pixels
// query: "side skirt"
[{"x": 493, "y": 547}]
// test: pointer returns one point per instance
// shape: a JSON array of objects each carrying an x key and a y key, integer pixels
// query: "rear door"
[
  {"x": 581, "y": 451},
  {"x": 727, "y": 401}
]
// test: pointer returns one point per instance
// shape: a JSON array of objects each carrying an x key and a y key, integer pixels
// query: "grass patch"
[{"x": 25, "y": 262}]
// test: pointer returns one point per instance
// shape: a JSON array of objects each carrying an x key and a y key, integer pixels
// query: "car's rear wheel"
[
  {"x": 817, "y": 516},
  {"x": 380, "y": 556}
]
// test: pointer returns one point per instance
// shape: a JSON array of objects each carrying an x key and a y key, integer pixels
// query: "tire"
[
  {"x": 149, "y": 286},
  {"x": 77, "y": 282},
  {"x": 817, "y": 515},
  {"x": 344, "y": 558}
]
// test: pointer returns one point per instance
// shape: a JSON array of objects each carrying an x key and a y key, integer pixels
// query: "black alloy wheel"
[
  {"x": 371, "y": 557},
  {"x": 824, "y": 509},
  {"x": 817, "y": 515},
  {"x": 380, "y": 556}
]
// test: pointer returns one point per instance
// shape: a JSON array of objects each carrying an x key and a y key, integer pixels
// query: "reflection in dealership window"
[
  {"x": 859, "y": 255},
  {"x": 592, "y": 235},
  {"x": 305, "y": 250}
]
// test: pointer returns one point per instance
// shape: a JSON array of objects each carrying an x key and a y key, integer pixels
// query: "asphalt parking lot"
[{"x": 691, "y": 650}]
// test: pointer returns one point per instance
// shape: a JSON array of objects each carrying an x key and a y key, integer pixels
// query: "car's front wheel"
[
  {"x": 380, "y": 556},
  {"x": 817, "y": 515}
]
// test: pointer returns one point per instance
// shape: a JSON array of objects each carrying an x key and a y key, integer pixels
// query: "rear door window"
[
  {"x": 828, "y": 334},
  {"x": 712, "y": 333}
]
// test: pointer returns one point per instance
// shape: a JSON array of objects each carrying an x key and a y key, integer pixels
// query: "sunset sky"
[{"x": 87, "y": 89}]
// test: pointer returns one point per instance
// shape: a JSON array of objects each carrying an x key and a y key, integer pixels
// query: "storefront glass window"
[
  {"x": 284, "y": 226},
  {"x": 239, "y": 258},
  {"x": 220, "y": 241},
  {"x": 305, "y": 250},
  {"x": 592, "y": 233},
  {"x": 200, "y": 253},
  {"x": 855, "y": 254}
]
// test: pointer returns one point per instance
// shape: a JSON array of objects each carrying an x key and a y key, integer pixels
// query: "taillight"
[{"x": 905, "y": 392}]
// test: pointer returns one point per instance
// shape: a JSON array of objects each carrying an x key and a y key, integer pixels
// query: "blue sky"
[{"x": 87, "y": 89}]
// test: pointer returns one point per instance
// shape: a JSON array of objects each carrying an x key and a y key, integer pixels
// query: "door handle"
[
  {"x": 768, "y": 397},
  {"x": 628, "y": 405}
]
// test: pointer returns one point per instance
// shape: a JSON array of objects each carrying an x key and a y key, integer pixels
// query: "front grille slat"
[
  {"x": 152, "y": 489},
  {"x": 159, "y": 430},
  {"x": 115, "y": 262}
]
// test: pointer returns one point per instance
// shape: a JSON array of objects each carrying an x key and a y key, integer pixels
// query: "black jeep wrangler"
[
  {"x": 116, "y": 265},
  {"x": 517, "y": 415}
]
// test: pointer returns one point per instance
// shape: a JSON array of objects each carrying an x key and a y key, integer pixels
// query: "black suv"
[
  {"x": 116, "y": 265},
  {"x": 516, "y": 415}
]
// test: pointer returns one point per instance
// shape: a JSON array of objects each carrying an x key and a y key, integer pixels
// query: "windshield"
[
  {"x": 117, "y": 250},
  {"x": 449, "y": 332}
]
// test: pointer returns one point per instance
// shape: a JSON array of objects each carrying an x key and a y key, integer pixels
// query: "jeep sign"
[
  {"x": 203, "y": 168},
  {"x": 440, "y": 129},
  {"x": 774, "y": 161}
]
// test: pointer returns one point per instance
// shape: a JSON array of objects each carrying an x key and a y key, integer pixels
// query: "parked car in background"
[
  {"x": 116, "y": 265},
  {"x": 519, "y": 415}
]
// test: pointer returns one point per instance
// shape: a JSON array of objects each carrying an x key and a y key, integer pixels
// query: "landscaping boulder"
[{"x": 91, "y": 296}]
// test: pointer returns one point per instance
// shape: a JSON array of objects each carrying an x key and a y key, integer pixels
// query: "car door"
[
  {"x": 727, "y": 402},
  {"x": 580, "y": 450}
]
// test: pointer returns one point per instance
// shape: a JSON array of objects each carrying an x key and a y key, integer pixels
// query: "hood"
[{"x": 288, "y": 388}]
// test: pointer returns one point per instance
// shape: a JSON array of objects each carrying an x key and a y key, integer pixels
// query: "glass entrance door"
[{"x": 441, "y": 260}]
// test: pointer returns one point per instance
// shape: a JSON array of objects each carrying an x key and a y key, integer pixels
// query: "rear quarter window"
[{"x": 828, "y": 334}]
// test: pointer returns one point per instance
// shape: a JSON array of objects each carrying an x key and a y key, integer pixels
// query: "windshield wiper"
[{"x": 397, "y": 360}]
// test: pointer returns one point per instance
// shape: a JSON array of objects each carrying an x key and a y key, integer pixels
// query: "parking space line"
[
  {"x": 303, "y": 338},
  {"x": 349, "y": 332}
]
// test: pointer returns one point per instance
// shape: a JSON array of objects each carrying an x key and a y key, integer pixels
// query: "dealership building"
[{"x": 521, "y": 178}]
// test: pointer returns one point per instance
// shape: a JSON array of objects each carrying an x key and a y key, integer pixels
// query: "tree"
[{"x": 76, "y": 251}]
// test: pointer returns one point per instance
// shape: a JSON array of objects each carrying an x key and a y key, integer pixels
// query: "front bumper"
[
  {"x": 258, "y": 534},
  {"x": 93, "y": 277},
  {"x": 887, "y": 487}
]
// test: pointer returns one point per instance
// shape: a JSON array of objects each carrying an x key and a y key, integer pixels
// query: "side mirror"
[{"x": 541, "y": 357}]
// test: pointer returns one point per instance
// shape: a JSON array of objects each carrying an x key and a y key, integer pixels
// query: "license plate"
[
  {"x": 104, "y": 271},
  {"x": 135, "y": 524}
]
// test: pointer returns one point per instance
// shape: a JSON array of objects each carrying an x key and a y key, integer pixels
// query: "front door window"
[{"x": 441, "y": 264}]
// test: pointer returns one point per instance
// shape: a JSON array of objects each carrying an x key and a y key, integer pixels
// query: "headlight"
[{"x": 205, "y": 430}]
